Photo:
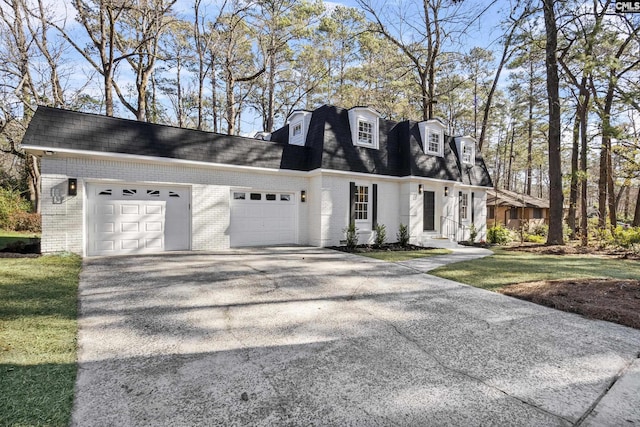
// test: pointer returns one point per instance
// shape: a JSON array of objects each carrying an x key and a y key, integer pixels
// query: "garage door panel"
[
  {"x": 137, "y": 219},
  {"x": 262, "y": 218},
  {"x": 130, "y": 209}
]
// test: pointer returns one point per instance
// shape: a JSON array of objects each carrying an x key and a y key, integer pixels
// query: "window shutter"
[
  {"x": 352, "y": 202},
  {"x": 374, "y": 208},
  {"x": 473, "y": 212}
]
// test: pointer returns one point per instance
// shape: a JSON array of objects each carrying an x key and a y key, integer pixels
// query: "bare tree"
[
  {"x": 144, "y": 24},
  {"x": 99, "y": 18}
]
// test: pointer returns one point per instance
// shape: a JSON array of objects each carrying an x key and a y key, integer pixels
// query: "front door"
[{"x": 429, "y": 211}]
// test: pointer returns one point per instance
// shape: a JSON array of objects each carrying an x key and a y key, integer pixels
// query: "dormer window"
[
  {"x": 297, "y": 129},
  {"x": 432, "y": 134},
  {"x": 466, "y": 149},
  {"x": 434, "y": 145},
  {"x": 298, "y": 123},
  {"x": 365, "y": 132},
  {"x": 364, "y": 126}
]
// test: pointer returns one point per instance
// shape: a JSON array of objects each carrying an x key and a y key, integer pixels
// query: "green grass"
[
  {"x": 395, "y": 256},
  {"x": 8, "y": 237},
  {"x": 509, "y": 267},
  {"x": 38, "y": 329}
]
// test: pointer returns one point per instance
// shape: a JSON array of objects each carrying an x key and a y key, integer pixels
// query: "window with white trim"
[
  {"x": 464, "y": 206},
  {"x": 467, "y": 153},
  {"x": 365, "y": 132},
  {"x": 362, "y": 203},
  {"x": 297, "y": 129},
  {"x": 434, "y": 142}
]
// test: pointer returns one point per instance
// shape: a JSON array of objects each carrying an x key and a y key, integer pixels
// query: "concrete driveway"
[{"x": 306, "y": 336}]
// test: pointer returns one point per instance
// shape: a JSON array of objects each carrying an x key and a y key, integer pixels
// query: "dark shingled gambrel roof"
[
  {"x": 62, "y": 129},
  {"x": 399, "y": 153},
  {"x": 328, "y": 145}
]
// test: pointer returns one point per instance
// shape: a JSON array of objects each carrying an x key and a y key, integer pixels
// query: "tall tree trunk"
[
  {"x": 271, "y": 91},
  {"x": 584, "y": 147},
  {"x": 636, "y": 214},
  {"x": 556, "y": 198},
  {"x": 573, "y": 193},
  {"x": 530, "y": 129},
  {"x": 513, "y": 137},
  {"x": 606, "y": 194},
  {"x": 214, "y": 96},
  {"x": 627, "y": 200}
]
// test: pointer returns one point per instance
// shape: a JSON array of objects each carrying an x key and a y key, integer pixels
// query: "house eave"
[{"x": 42, "y": 151}]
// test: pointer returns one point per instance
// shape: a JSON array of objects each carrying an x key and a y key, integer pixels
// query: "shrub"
[
  {"x": 381, "y": 235},
  {"x": 628, "y": 238},
  {"x": 403, "y": 236},
  {"x": 540, "y": 230},
  {"x": 25, "y": 221},
  {"x": 351, "y": 236},
  {"x": 535, "y": 238},
  {"x": 498, "y": 235},
  {"x": 473, "y": 233},
  {"x": 10, "y": 204}
]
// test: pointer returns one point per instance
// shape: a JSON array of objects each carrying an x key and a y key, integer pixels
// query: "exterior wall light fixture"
[{"x": 72, "y": 187}]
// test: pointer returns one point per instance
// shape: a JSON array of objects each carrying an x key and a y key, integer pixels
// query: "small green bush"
[
  {"x": 627, "y": 238},
  {"x": 498, "y": 235},
  {"x": 540, "y": 230},
  {"x": 381, "y": 235},
  {"x": 11, "y": 205},
  {"x": 351, "y": 236},
  {"x": 473, "y": 233},
  {"x": 403, "y": 236},
  {"x": 534, "y": 238}
]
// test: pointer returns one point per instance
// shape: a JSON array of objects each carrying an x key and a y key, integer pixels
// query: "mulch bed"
[
  {"x": 571, "y": 249},
  {"x": 395, "y": 247},
  {"x": 613, "y": 300},
  {"x": 21, "y": 249}
]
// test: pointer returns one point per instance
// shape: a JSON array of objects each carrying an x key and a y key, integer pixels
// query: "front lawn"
[
  {"x": 395, "y": 256},
  {"x": 38, "y": 328},
  {"x": 507, "y": 267}
]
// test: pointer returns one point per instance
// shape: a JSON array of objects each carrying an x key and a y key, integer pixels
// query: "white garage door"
[
  {"x": 130, "y": 219},
  {"x": 262, "y": 218}
]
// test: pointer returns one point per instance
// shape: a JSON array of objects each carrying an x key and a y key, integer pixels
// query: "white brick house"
[{"x": 112, "y": 186}]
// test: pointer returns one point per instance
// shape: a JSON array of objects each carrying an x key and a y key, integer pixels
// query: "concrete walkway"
[
  {"x": 308, "y": 336},
  {"x": 459, "y": 254}
]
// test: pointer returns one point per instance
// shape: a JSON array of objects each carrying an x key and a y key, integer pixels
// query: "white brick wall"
[
  {"x": 63, "y": 224},
  {"x": 321, "y": 221}
]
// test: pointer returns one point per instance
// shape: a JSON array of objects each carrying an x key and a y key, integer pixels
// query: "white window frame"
[
  {"x": 440, "y": 135},
  {"x": 370, "y": 141},
  {"x": 464, "y": 206},
  {"x": 298, "y": 123},
  {"x": 364, "y": 116},
  {"x": 466, "y": 153},
  {"x": 362, "y": 203}
]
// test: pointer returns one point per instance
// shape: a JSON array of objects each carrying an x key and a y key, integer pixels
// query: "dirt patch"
[{"x": 613, "y": 300}]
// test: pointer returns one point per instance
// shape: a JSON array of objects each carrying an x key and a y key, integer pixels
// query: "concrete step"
[{"x": 440, "y": 242}]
